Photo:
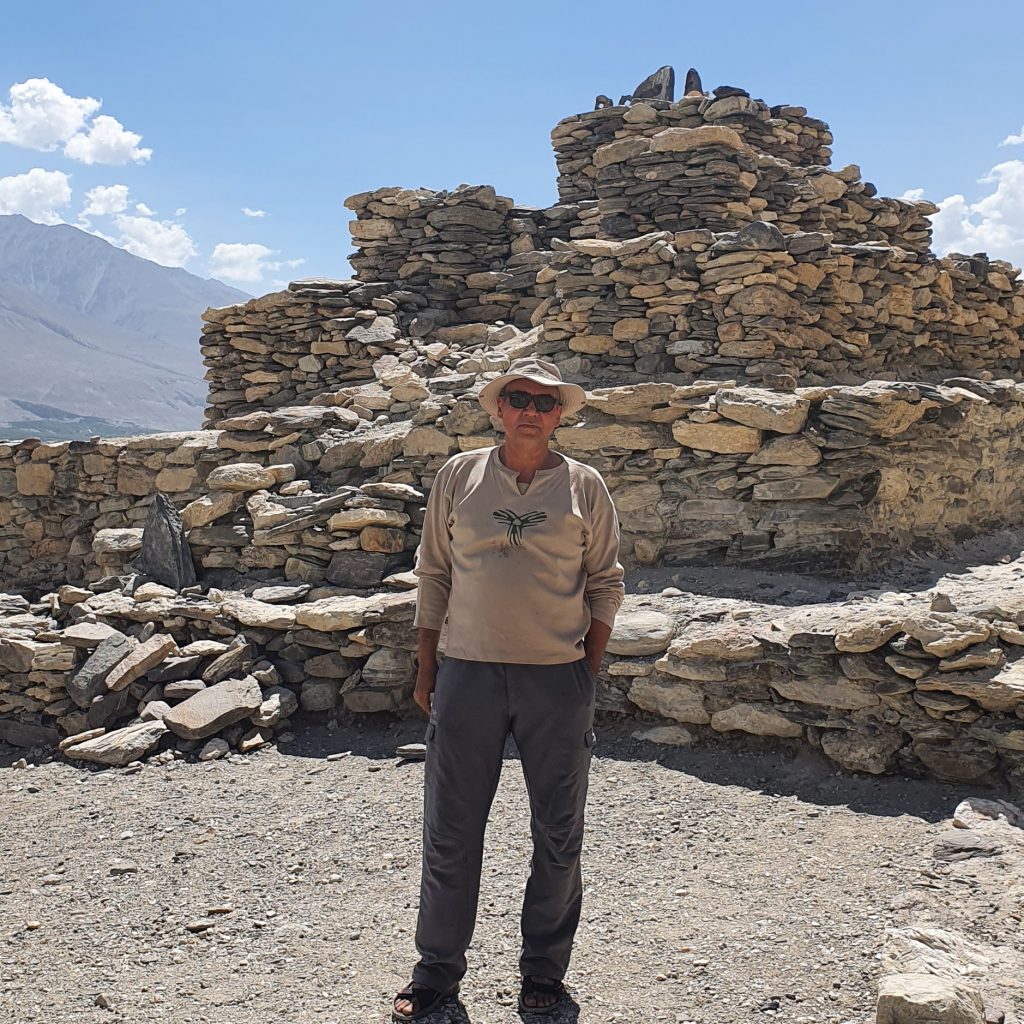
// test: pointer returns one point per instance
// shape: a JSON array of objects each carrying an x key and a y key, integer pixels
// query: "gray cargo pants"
[{"x": 549, "y": 710}]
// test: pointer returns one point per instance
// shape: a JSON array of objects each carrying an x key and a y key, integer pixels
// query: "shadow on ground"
[
  {"x": 906, "y": 572},
  {"x": 767, "y": 766}
]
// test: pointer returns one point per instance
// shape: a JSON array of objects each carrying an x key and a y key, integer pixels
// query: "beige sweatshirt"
[{"x": 519, "y": 575}]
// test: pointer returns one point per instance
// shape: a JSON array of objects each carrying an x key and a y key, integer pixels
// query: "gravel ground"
[{"x": 722, "y": 884}]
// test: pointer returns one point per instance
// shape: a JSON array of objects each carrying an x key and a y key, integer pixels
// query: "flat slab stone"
[
  {"x": 641, "y": 632},
  {"x": 282, "y": 594},
  {"x": 259, "y": 613},
  {"x": 88, "y": 634},
  {"x": 757, "y": 719},
  {"x": 766, "y": 410},
  {"x": 140, "y": 660},
  {"x": 119, "y": 747},
  {"x": 210, "y": 710}
]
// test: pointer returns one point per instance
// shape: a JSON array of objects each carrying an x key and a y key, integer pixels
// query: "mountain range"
[{"x": 95, "y": 340}]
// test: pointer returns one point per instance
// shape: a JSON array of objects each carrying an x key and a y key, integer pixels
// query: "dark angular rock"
[
  {"x": 364, "y": 569},
  {"x": 805, "y": 241},
  {"x": 235, "y": 661},
  {"x": 105, "y": 708},
  {"x": 90, "y": 680},
  {"x": 25, "y": 734},
  {"x": 659, "y": 86},
  {"x": 173, "y": 669},
  {"x": 165, "y": 555}
]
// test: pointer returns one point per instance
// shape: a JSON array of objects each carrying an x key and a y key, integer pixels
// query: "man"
[{"x": 520, "y": 553}]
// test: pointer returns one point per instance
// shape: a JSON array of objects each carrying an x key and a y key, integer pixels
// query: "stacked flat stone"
[
  {"x": 840, "y": 203},
  {"x": 918, "y": 686},
  {"x": 294, "y": 344},
  {"x": 785, "y": 132},
  {"x": 349, "y": 537},
  {"x": 437, "y": 244},
  {"x": 675, "y": 180},
  {"x": 756, "y": 303},
  {"x": 805, "y": 480}
]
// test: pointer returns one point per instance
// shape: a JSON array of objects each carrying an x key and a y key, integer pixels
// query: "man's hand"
[
  {"x": 426, "y": 680},
  {"x": 594, "y": 644},
  {"x": 426, "y": 667}
]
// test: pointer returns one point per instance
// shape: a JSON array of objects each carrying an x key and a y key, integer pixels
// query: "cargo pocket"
[{"x": 589, "y": 738}]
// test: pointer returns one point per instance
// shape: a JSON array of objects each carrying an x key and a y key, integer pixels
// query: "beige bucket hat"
[{"x": 540, "y": 372}]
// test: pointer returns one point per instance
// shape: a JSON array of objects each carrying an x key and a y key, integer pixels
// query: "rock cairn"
[
  {"x": 783, "y": 132},
  {"x": 684, "y": 178}
]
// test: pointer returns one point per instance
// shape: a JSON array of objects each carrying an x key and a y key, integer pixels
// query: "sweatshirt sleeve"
[
  {"x": 434, "y": 557},
  {"x": 604, "y": 588}
]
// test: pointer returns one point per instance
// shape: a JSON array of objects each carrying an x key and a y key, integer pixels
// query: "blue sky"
[{"x": 288, "y": 108}]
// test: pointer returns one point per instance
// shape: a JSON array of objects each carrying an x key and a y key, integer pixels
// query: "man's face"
[{"x": 529, "y": 423}]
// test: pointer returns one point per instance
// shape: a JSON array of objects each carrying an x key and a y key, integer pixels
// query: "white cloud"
[
  {"x": 246, "y": 262},
  {"x": 253, "y": 213},
  {"x": 143, "y": 209},
  {"x": 106, "y": 141},
  {"x": 1013, "y": 140},
  {"x": 180, "y": 211},
  {"x": 162, "y": 242},
  {"x": 42, "y": 115},
  {"x": 994, "y": 224},
  {"x": 105, "y": 200},
  {"x": 37, "y": 194}
]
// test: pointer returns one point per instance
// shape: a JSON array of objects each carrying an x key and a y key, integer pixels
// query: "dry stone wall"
[
  {"x": 57, "y": 497},
  {"x": 826, "y": 479},
  {"x": 758, "y": 303}
]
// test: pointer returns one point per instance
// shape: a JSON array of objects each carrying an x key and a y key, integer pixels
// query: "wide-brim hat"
[{"x": 540, "y": 372}]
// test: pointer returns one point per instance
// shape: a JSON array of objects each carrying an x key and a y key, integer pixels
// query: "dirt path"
[{"x": 721, "y": 886}]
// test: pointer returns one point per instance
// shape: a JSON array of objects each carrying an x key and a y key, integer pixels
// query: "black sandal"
[
  {"x": 428, "y": 999},
  {"x": 531, "y": 986}
]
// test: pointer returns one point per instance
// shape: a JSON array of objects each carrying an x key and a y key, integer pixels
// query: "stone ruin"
[{"x": 782, "y": 378}]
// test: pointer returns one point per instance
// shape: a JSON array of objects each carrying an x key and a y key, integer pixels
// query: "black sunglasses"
[{"x": 522, "y": 400}]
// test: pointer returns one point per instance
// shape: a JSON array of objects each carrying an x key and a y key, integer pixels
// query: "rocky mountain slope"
[{"x": 92, "y": 337}]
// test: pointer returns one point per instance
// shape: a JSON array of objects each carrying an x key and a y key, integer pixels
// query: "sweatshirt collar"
[{"x": 508, "y": 471}]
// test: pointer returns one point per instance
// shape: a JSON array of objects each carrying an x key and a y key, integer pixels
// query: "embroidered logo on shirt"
[{"x": 516, "y": 524}]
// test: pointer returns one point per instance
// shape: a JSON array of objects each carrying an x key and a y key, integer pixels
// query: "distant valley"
[{"x": 94, "y": 340}]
